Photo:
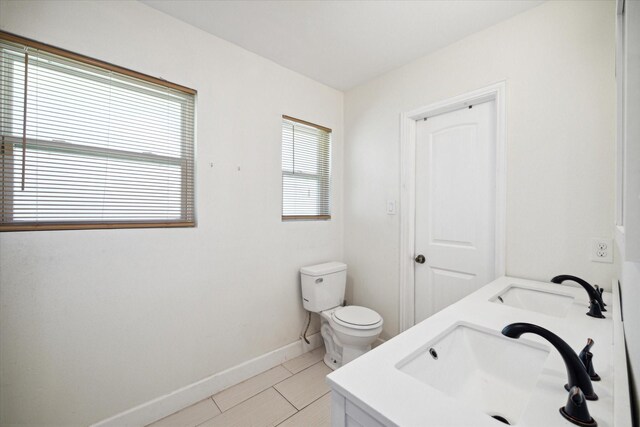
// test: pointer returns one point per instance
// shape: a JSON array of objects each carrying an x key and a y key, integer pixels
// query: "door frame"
[{"x": 408, "y": 124}]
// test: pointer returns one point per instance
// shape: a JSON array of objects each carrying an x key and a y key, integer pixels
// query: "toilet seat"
[{"x": 356, "y": 317}]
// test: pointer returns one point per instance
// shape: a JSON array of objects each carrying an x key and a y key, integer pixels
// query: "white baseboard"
[{"x": 160, "y": 407}]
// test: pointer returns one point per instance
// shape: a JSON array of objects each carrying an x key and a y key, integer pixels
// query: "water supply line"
[{"x": 304, "y": 334}]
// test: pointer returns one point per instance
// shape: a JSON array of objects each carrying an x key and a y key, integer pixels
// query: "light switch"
[{"x": 391, "y": 207}]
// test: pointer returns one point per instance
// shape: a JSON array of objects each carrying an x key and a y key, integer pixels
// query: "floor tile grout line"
[
  {"x": 308, "y": 367},
  {"x": 295, "y": 373},
  {"x": 308, "y": 352},
  {"x": 253, "y": 395},
  {"x": 314, "y": 401},
  {"x": 261, "y": 391},
  {"x": 215, "y": 403},
  {"x": 216, "y": 415},
  {"x": 208, "y": 419},
  {"x": 221, "y": 412},
  {"x": 195, "y": 425},
  {"x": 272, "y": 385},
  {"x": 290, "y": 416},
  {"x": 290, "y": 403},
  {"x": 300, "y": 410},
  {"x": 292, "y": 373}
]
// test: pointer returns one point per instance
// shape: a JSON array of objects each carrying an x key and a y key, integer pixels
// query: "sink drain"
[{"x": 501, "y": 419}]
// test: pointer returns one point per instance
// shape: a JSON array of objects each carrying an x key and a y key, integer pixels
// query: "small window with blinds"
[
  {"x": 306, "y": 170},
  {"x": 86, "y": 144}
]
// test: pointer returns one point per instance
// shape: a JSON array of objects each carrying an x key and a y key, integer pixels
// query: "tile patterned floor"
[{"x": 292, "y": 394}]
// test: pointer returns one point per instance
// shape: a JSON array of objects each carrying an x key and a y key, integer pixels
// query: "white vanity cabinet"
[
  {"x": 456, "y": 367},
  {"x": 345, "y": 413}
]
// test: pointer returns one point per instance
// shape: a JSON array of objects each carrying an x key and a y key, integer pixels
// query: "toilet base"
[
  {"x": 350, "y": 353},
  {"x": 337, "y": 354},
  {"x": 330, "y": 362},
  {"x": 335, "y": 361}
]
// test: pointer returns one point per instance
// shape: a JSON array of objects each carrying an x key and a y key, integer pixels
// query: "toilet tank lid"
[{"x": 322, "y": 269}]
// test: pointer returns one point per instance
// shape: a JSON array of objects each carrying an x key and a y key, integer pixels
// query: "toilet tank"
[{"x": 323, "y": 286}]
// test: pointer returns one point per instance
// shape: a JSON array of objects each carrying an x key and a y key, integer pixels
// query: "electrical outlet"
[{"x": 601, "y": 250}]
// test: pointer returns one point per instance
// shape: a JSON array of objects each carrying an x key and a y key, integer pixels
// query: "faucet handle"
[
  {"x": 576, "y": 410},
  {"x": 600, "y": 291},
  {"x": 586, "y": 357},
  {"x": 587, "y": 347},
  {"x": 595, "y": 309}
]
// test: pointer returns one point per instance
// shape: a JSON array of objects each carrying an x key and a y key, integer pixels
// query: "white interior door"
[{"x": 455, "y": 206}]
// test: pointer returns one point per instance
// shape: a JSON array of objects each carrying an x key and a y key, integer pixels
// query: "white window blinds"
[
  {"x": 306, "y": 170},
  {"x": 84, "y": 145}
]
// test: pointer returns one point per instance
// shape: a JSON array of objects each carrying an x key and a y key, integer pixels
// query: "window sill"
[
  {"x": 92, "y": 226},
  {"x": 306, "y": 217}
]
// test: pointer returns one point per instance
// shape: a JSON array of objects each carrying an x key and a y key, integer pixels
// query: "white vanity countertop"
[{"x": 394, "y": 398}]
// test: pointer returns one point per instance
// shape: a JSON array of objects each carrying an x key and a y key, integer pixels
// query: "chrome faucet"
[
  {"x": 576, "y": 371},
  {"x": 594, "y": 294}
]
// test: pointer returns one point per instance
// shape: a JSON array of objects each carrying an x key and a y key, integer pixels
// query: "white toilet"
[{"x": 348, "y": 332}]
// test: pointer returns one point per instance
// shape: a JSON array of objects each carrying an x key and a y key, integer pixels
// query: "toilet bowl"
[{"x": 347, "y": 331}]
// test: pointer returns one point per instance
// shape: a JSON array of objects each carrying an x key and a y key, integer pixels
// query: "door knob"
[{"x": 420, "y": 259}]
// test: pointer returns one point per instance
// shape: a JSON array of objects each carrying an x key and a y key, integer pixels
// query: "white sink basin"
[
  {"x": 479, "y": 367},
  {"x": 551, "y": 303}
]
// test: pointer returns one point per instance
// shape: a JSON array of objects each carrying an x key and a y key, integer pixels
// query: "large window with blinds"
[
  {"x": 86, "y": 144},
  {"x": 306, "y": 170}
]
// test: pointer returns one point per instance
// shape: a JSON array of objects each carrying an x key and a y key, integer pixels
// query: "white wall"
[
  {"x": 96, "y": 322},
  {"x": 558, "y": 62}
]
